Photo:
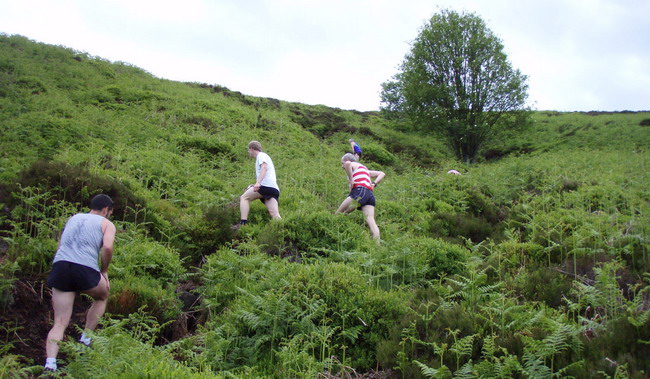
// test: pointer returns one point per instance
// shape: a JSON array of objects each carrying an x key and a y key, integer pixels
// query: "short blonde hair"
[
  {"x": 255, "y": 145},
  {"x": 348, "y": 157}
]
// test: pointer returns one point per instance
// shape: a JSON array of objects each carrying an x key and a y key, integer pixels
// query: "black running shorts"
[
  {"x": 363, "y": 196},
  {"x": 268, "y": 193},
  {"x": 72, "y": 277}
]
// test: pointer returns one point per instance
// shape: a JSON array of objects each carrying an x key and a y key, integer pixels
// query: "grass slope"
[{"x": 532, "y": 263}]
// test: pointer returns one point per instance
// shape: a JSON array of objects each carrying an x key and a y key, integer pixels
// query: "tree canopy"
[{"x": 457, "y": 82}]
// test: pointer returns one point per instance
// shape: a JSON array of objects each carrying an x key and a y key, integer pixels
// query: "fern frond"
[
  {"x": 252, "y": 320},
  {"x": 466, "y": 372},
  {"x": 534, "y": 367},
  {"x": 560, "y": 373},
  {"x": 463, "y": 347},
  {"x": 352, "y": 333},
  {"x": 489, "y": 347},
  {"x": 430, "y": 372}
]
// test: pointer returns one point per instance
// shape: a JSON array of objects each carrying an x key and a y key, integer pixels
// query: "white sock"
[
  {"x": 84, "y": 339},
  {"x": 50, "y": 363}
]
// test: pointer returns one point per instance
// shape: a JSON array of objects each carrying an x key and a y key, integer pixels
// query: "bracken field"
[{"x": 531, "y": 264}]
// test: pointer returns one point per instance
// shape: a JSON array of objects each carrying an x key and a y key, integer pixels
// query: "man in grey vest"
[{"x": 86, "y": 239}]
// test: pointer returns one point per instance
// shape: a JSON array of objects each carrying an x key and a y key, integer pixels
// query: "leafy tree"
[{"x": 458, "y": 83}]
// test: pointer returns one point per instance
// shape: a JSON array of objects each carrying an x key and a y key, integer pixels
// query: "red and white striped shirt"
[{"x": 361, "y": 178}]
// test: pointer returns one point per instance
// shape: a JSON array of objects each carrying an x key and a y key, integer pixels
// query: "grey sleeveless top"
[{"x": 81, "y": 240}]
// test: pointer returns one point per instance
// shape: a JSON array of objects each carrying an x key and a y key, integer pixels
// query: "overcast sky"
[{"x": 579, "y": 55}]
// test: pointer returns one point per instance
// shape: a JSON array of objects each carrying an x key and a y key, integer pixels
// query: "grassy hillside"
[{"x": 533, "y": 263}]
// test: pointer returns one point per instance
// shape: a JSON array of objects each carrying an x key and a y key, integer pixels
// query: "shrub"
[
  {"x": 510, "y": 255},
  {"x": 146, "y": 258},
  {"x": 226, "y": 273},
  {"x": 124, "y": 349},
  {"x": 11, "y": 366},
  {"x": 77, "y": 186},
  {"x": 442, "y": 258},
  {"x": 422, "y": 155},
  {"x": 544, "y": 284},
  {"x": 34, "y": 223},
  {"x": 645, "y": 122},
  {"x": 554, "y": 230},
  {"x": 377, "y": 154},
  {"x": 328, "y": 303},
  {"x": 482, "y": 206},
  {"x": 205, "y": 122},
  {"x": 208, "y": 233},
  {"x": 569, "y": 185},
  {"x": 204, "y": 143},
  {"x": 7, "y": 279},
  {"x": 456, "y": 225},
  {"x": 34, "y": 85},
  {"x": 322, "y": 122},
  {"x": 316, "y": 233},
  {"x": 131, "y": 293},
  {"x": 419, "y": 260}
]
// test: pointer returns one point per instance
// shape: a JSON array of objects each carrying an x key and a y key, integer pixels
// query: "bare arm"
[
  {"x": 347, "y": 166},
  {"x": 378, "y": 175},
  {"x": 106, "y": 252},
  {"x": 263, "y": 170}
]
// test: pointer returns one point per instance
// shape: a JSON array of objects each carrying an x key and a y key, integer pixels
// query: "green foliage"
[
  {"x": 440, "y": 259},
  {"x": 543, "y": 284},
  {"x": 317, "y": 233},
  {"x": 474, "y": 215},
  {"x": 31, "y": 84},
  {"x": 206, "y": 144},
  {"x": 145, "y": 258},
  {"x": 7, "y": 270},
  {"x": 124, "y": 348},
  {"x": 455, "y": 225},
  {"x": 131, "y": 293},
  {"x": 415, "y": 148},
  {"x": 34, "y": 224},
  {"x": 77, "y": 186},
  {"x": 378, "y": 154},
  {"x": 208, "y": 233},
  {"x": 11, "y": 367},
  {"x": 504, "y": 271},
  {"x": 330, "y": 305},
  {"x": 321, "y": 121}
]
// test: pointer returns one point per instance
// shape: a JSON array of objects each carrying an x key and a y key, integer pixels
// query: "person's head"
[
  {"x": 348, "y": 157},
  {"x": 351, "y": 140},
  {"x": 254, "y": 147},
  {"x": 101, "y": 202}
]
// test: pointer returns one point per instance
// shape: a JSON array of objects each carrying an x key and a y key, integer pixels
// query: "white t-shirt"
[{"x": 269, "y": 179}]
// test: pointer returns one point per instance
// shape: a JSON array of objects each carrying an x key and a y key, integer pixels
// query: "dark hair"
[{"x": 100, "y": 202}]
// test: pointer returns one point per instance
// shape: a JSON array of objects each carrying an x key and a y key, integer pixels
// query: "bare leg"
[
  {"x": 369, "y": 211},
  {"x": 97, "y": 309},
  {"x": 245, "y": 202},
  {"x": 274, "y": 209},
  {"x": 348, "y": 205},
  {"x": 62, "y": 303}
]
